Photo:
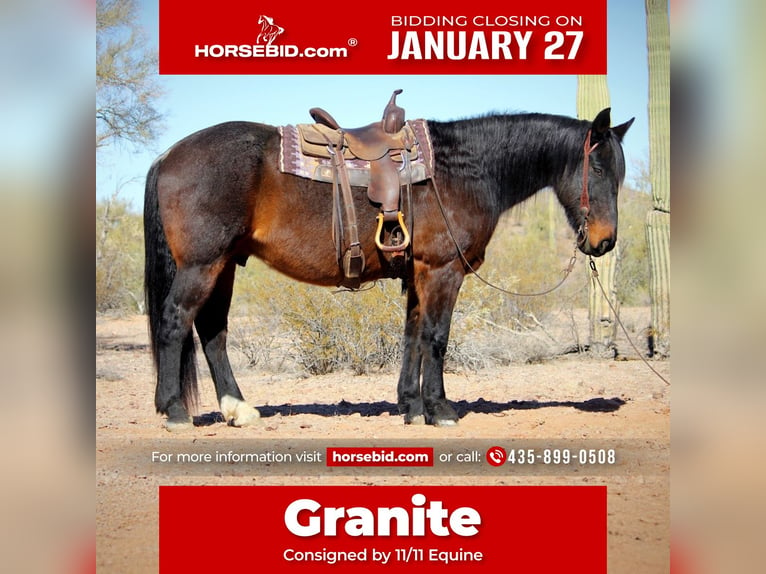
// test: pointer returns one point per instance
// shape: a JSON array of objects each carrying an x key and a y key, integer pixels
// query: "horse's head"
[{"x": 596, "y": 183}]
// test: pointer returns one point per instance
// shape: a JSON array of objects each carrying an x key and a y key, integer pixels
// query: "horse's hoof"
[
  {"x": 178, "y": 425},
  {"x": 416, "y": 420},
  {"x": 238, "y": 413},
  {"x": 443, "y": 415},
  {"x": 246, "y": 418},
  {"x": 445, "y": 423}
]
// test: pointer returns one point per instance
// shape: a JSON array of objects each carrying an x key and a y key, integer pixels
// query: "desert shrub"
[
  {"x": 321, "y": 330},
  {"x": 360, "y": 331},
  {"x": 119, "y": 258},
  {"x": 632, "y": 281},
  {"x": 258, "y": 340}
]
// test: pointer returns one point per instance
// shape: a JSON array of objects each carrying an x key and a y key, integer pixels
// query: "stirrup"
[
  {"x": 353, "y": 262},
  {"x": 392, "y": 248}
]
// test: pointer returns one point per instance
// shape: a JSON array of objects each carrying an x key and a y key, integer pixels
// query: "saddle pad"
[{"x": 294, "y": 162}]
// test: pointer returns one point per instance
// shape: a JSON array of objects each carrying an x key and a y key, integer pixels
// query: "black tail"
[{"x": 159, "y": 271}]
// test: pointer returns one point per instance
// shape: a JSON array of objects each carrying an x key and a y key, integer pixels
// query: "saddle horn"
[{"x": 393, "y": 115}]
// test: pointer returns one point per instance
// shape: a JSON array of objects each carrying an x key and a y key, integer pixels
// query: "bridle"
[{"x": 582, "y": 232}]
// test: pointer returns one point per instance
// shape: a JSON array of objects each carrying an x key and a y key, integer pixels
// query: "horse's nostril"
[{"x": 605, "y": 245}]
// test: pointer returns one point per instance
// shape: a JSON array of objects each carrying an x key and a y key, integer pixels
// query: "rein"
[
  {"x": 475, "y": 273},
  {"x": 594, "y": 274},
  {"x": 582, "y": 232}
]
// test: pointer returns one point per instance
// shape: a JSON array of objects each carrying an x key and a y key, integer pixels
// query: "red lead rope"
[{"x": 584, "y": 199}]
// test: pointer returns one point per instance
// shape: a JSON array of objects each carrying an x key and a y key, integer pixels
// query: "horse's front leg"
[
  {"x": 438, "y": 410},
  {"x": 437, "y": 291}
]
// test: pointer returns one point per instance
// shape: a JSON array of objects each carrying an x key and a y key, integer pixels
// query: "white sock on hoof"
[
  {"x": 446, "y": 423},
  {"x": 237, "y": 412}
]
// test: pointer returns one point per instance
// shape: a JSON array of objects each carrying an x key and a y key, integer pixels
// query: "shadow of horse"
[{"x": 378, "y": 408}]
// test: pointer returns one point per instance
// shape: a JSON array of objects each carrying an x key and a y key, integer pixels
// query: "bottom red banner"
[{"x": 520, "y": 529}]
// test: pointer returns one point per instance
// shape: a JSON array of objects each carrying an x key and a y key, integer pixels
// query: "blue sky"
[{"x": 191, "y": 103}]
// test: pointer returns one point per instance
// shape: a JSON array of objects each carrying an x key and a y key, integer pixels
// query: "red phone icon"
[{"x": 496, "y": 455}]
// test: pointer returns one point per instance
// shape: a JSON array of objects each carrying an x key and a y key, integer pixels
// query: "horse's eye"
[{"x": 598, "y": 171}]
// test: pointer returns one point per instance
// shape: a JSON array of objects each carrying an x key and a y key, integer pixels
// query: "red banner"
[
  {"x": 522, "y": 529},
  {"x": 243, "y": 37}
]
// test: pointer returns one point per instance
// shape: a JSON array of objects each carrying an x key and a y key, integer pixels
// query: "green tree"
[{"x": 126, "y": 85}]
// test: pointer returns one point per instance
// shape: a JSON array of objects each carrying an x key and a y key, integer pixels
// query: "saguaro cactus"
[
  {"x": 658, "y": 219},
  {"x": 592, "y": 97}
]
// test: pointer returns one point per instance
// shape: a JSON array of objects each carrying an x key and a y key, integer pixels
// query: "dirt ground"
[{"x": 572, "y": 400}]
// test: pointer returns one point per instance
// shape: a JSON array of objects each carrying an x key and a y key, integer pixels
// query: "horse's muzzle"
[
  {"x": 604, "y": 246},
  {"x": 596, "y": 239}
]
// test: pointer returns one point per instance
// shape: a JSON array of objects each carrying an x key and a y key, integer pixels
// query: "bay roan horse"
[{"x": 217, "y": 197}]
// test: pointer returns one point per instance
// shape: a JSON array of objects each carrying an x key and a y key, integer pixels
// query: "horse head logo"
[{"x": 269, "y": 30}]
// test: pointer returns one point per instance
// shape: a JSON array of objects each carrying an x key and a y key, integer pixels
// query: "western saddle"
[{"x": 389, "y": 146}]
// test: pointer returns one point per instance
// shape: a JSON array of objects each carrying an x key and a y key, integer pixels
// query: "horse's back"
[
  {"x": 230, "y": 140},
  {"x": 206, "y": 187}
]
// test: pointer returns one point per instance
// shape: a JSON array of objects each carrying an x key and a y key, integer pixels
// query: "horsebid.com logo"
[{"x": 265, "y": 47}]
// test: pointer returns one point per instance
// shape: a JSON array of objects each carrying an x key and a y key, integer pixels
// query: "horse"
[
  {"x": 269, "y": 30},
  {"x": 217, "y": 197}
]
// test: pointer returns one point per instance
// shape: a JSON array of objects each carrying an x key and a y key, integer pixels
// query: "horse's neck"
[{"x": 507, "y": 158}]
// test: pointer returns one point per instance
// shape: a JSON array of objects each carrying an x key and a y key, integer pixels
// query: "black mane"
[{"x": 502, "y": 159}]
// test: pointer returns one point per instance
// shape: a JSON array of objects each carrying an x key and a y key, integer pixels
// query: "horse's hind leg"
[
  {"x": 176, "y": 374},
  {"x": 212, "y": 324}
]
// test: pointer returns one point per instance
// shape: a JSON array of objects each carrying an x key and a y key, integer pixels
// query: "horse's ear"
[
  {"x": 601, "y": 123},
  {"x": 620, "y": 130}
]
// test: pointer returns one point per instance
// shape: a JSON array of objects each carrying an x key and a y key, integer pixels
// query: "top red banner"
[{"x": 246, "y": 37}]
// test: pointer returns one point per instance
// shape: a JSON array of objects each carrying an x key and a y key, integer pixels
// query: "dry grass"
[{"x": 280, "y": 325}]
